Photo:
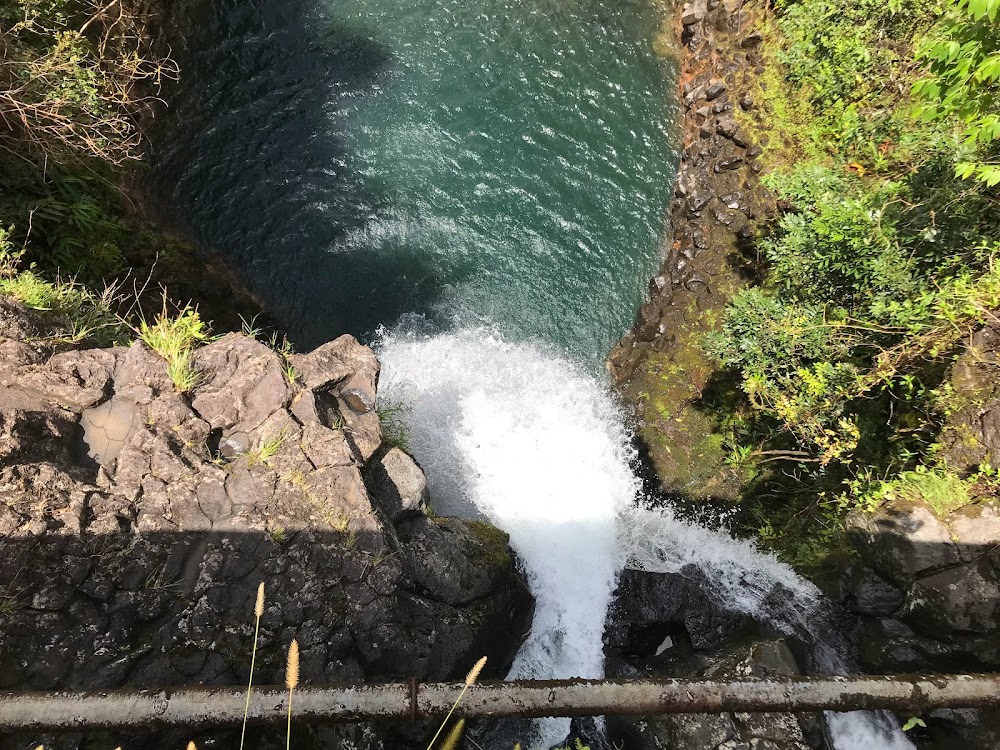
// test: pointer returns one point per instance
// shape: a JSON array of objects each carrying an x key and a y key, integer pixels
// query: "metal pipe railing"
[{"x": 203, "y": 707}]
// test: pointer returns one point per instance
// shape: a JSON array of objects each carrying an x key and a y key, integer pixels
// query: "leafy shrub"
[
  {"x": 844, "y": 60},
  {"x": 880, "y": 268},
  {"x": 72, "y": 75},
  {"x": 964, "y": 81},
  {"x": 841, "y": 245}
]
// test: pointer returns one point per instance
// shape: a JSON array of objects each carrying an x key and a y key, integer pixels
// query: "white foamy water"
[
  {"x": 528, "y": 439},
  {"x": 742, "y": 578}
]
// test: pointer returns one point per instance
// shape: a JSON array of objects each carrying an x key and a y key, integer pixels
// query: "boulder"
[
  {"x": 340, "y": 379},
  {"x": 962, "y": 599},
  {"x": 715, "y": 89},
  {"x": 455, "y": 561},
  {"x": 891, "y": 646},
  {"x": 398, "y": 484},
  {"x": 651, "y": 606},
  {"x": 727, "y": 127},
  {"x": 694, "y": 12},
  {"x": 975, "y": 529},
  {"x": 242, "y": 384},
  {"x": 967, "y": 728},
  {"x": 870, "y": 594},
  {"x": 902, "y": 540}
]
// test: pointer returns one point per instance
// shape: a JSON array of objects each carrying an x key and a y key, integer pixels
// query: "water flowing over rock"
[
  {"x": 133, "y": 545},
  {"x": 517, "y": 434},
  {"x": 526, "y": 439}
]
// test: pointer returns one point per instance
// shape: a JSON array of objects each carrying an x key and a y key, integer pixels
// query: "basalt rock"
[
  {"x": 930, "y": 594},
  {"x": 903, "y": 540},
  {"x": 661, "y": 364},
  {"x": 755, "y": 658},
  {"x": 872, "y": 595},
  {"x": 138, "y": 521},
  {"x": 398, "y": 484},
  {"x": 651, "y": 607}
]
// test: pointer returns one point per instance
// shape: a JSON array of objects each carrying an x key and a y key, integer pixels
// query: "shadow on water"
[{"x": 252, "y": 153}]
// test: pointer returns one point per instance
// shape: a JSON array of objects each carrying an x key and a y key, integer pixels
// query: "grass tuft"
[
  {"x": 943, "y": 491},
  {"x": 395, "y": 433},
  {"x": 268, "y": 447},
  {"x": 174, "y": 339}
]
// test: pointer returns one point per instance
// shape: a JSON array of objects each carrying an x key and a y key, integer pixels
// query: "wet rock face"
[
  {"x": 136, "y": 523},
  {"x": 756, "y": 658},
  {"x": 663, "y": 625},
  {"x": 651, "y": 607}
]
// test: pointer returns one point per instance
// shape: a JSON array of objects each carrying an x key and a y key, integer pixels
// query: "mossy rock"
[{"x": 495, "y": 550}]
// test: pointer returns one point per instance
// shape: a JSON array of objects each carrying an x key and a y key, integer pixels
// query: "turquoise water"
[{"x": 499, "y": 162}]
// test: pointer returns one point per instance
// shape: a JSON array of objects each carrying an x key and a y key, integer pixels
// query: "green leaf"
[
  {"x": 913, "y": 721},
  {"x": 965, "y": 170}
]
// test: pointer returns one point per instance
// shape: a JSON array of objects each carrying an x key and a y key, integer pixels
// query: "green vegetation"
[
  {"x": 73, "y": 77},
  {"x": 395, "y": 433},
  {"x": 268, "y": 448},
  {"x": 942, "y": 490},
  {"x": 882, "y": 265},
  {"x": 75, "y": 313},
  {"x": 494, "y": 551},
  {"x": 174, "y": 338},
  {"x": 964, "y": 59}
]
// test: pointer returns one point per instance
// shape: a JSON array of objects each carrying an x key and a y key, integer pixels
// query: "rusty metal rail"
[{"x": 203, "y": 707}]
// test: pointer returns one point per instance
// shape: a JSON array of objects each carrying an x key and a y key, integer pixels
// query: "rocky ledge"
[
  {"x": 137, "y": 523},
  {"x": 717, "y": 205}
]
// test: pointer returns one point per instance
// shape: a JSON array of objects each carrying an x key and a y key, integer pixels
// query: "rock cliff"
[
  {"x": 137, "y": 523},
  {"x": 717, "y": 206}
]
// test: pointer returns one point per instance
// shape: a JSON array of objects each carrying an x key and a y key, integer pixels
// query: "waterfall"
[
  {"x": 742, "y": 578},
  {"x": 529, "y": 441},
  {"x": 526, "y": 438}
]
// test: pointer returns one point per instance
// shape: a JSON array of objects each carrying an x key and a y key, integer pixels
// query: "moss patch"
[
  {"x": 493, "y": 544},
  {"x": 942, "y": 491},
  {"x": 685, "y": 440}
]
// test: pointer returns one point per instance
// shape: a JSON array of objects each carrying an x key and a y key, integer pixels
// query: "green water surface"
[{"x": 498, "y": 162}]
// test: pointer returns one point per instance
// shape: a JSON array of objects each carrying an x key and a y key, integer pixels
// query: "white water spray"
[{"x": 529, "y": 440}]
